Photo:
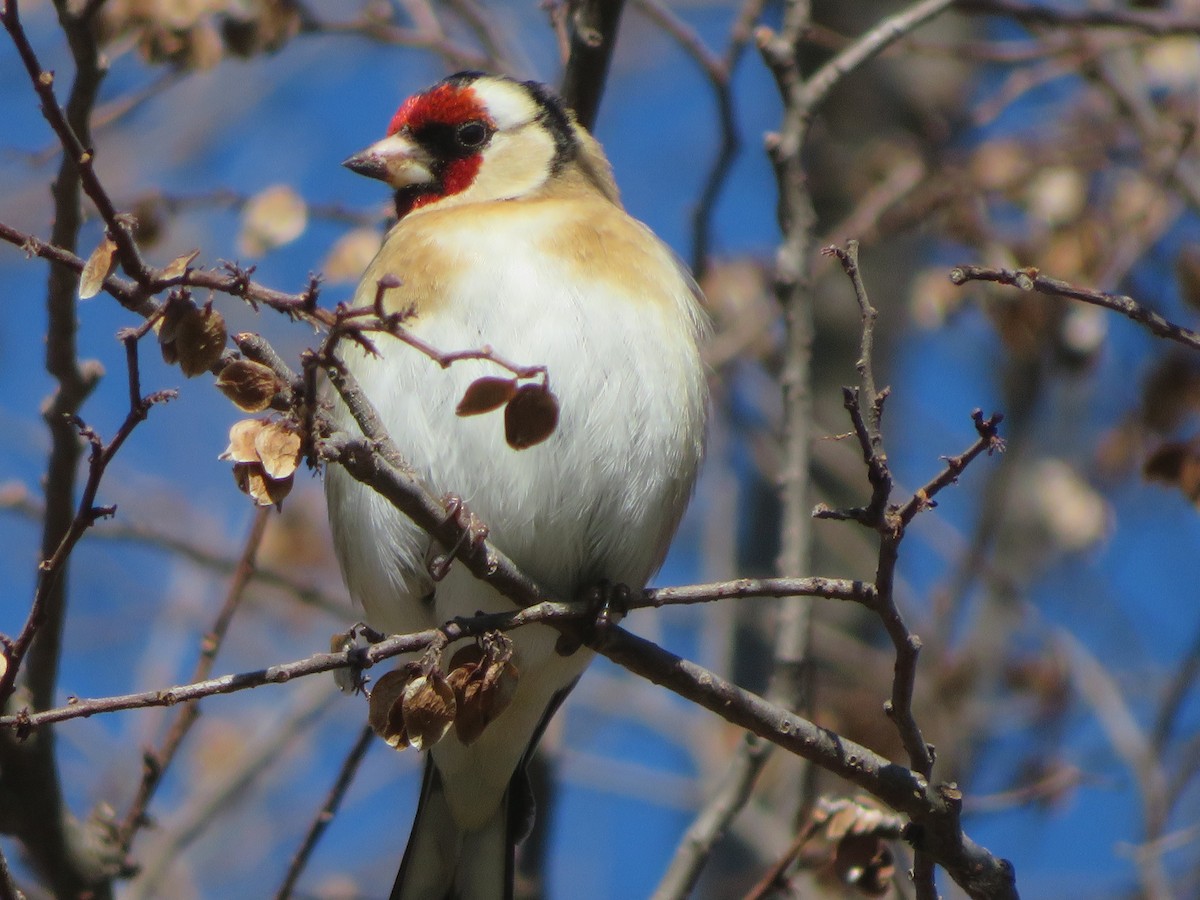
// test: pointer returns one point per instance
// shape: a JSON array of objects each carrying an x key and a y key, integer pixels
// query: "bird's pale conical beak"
[{"x": 395, "y": 160}]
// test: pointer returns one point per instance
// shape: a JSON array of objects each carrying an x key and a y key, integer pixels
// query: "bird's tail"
[{"x": 444, "y": 862}]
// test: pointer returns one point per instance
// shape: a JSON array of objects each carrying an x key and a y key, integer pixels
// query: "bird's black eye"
[{"x": 471, "y": 134}]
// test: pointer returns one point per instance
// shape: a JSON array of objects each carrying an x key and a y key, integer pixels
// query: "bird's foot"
[
  {"x": 607, "y": 603},
  {"x": 472, "y": 533},
  {"x": 611, "y": 603},
  {"x": 352, "y": 680}
]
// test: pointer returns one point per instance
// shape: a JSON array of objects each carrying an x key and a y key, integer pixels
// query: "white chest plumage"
[
  {"x": 601, "y": 496},
  {"x": 598, "y": 500}
]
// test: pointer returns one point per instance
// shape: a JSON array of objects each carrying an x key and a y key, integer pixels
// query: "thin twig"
[
  {"x": 50, "y": 571},
  {"x": 713, "y": 821},
  {"x": 546, "y": 611},
  {"x": 890, "y": 522},
  {"x": 326, "y": 813},
  {"x": 883, "y": 519},
  {"x": 1160, "y": 23},
  {"x": 156, "y": 763},
  {"x": 15, "y": 497},
  {"x": 1030, "y": 279},
  {"x": 881, "y": 36}
]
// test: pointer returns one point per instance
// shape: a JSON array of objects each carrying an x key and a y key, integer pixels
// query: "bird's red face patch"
[
  {"x": 446, "y": 104},
  {"x": 431, "y": 117}
]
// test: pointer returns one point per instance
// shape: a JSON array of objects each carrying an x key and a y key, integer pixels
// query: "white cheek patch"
[{"x": 508, "y": 104}]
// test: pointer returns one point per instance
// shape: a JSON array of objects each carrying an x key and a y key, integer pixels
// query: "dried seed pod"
[
  {"x": 252, "y": 480},
  {"x": 250, "y": 385},
  {"x": 97, "y": 268},
  {"x": 484, "y": 681},
  {"x": 242, "y": 436},
  {"x": 278, "y": 447},
  {"x": 179, "y": 265},
  {"x": 429, "y": 708},
  {"x": 530, "y": 417},
  {"x": 199, "y": 340},
  {"x": 486, "y": 394},
  {"x": 385, "y": 712}
]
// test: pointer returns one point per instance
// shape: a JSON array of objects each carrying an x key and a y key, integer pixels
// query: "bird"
[{"x": 511, "y": 236}]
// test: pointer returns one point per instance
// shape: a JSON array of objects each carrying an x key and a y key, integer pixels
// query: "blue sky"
[{"x": 293, "y": 117}]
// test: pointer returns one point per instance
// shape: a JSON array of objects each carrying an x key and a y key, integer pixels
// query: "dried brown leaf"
[
  {"x": 250, "y": 385},
  {"x": 97, "y": 268},
  {"x": 530, "y": 417},
  {"x": 486, "y": 394}
]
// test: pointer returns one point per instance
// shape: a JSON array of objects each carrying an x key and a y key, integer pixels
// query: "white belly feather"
[{"x": 598, "y": 500}]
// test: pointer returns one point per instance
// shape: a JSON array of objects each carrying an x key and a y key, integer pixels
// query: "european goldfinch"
[{"x": 511, "y": 235}]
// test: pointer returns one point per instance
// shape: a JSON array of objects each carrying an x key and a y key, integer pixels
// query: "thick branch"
[
  {"x": 933, "y": 810},
  {"x": 60, "y": 847},
  {"x": 592, "y": 27}
]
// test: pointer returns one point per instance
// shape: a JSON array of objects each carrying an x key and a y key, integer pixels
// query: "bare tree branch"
[
  {"x": 1160, "y": 23},
  {"x": 713, "y": 821},
  {"x": 592, "y": 27},
  {"x": 156, "y": 763},
  {"x": 1031, "y": 279}
]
